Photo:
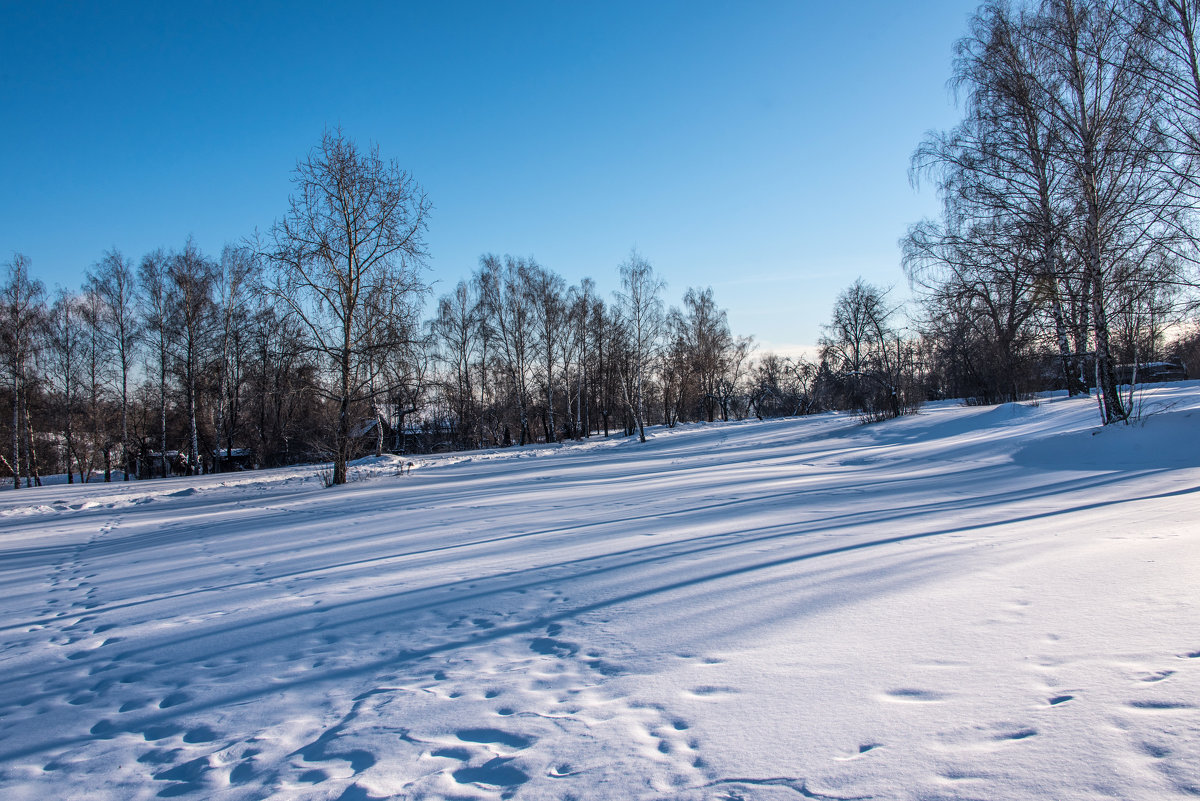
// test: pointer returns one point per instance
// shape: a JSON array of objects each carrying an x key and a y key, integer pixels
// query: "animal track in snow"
[
  {"x": 1016, "y": 734},
  {"x": 496, "y": 772},
  {"x": 548, "y": 646},
  {"x": 494, "y": 736}
]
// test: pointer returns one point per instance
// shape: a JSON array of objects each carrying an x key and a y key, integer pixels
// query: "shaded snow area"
[{"x": 971, "y": 603}]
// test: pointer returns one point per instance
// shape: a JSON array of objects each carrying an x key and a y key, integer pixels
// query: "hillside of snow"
[{"x": 970, "y": 603}]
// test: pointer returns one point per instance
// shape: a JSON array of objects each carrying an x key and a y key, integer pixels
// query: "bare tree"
[
  {"x": 157, "y": 311},
  {"x": 114, "y": 284},
  {"x": 603, "y": 325},
  {"x": 458, "y": 328},
  {"x": 23, "y": 300},
  {"x": 782, "y": 386},
  {"x": 992, "y": 283},
  {"x": 1107, "y": 112},
  {"x": 1001, "y": 181},
  {"x": 545, "y": 289},
  {"x": 193, "y": 277},
  {"x": 65, "y": 360},
  {"x": 1171, "y": 64},
  {"x": 354, "y": 229},
  {"x": 732, "y": 377},
  {"x": 280, "y": 381},
  {"x": 707, "y": 336},
  {"x": 234, "y": 282},
  {"x": 511, "y": 315},
  {"x": 576, "y": 355},
  {"x": 98, "y": 372},
  {"x": 868, "y": 355},
  {"x": 640, "y": 307}
]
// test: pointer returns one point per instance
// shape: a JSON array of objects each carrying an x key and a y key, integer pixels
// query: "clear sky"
[{"x": 758, "y": 147}]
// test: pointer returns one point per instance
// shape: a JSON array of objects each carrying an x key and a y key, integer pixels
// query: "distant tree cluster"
[
  {"x": 1065, "y": 252},
  {"x": 172, "y": 365},
  {"x": 526, "y": 358}
]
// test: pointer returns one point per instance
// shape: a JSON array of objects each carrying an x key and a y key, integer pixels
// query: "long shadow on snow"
[
  {"x": 371, "y": 541},
  {"x": 408, "y": 657}
]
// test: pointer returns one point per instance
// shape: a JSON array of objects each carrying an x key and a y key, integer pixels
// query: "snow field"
[{"x": 972, "y": 603}]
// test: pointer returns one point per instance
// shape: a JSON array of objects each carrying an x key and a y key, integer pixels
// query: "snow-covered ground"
[{"x": 972, "y": 603}]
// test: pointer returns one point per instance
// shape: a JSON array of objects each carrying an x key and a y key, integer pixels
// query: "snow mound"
[{"x": 1169, "y": 440}]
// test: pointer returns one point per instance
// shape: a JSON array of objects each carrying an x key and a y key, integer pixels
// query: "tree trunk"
[
  {"x": 194, "y": 455},
  {"x": 16, "y": 429},
  {"x": 378, "y": 428},
  {"x": 342, "y": 442},
  {"x": 162, "y": 411},
  {"x": 124, "y": 418},
  {"x": 1105, "y": 374},
  {"x": 1066, "y": 359},
  {"x": 34, "y": 472}
]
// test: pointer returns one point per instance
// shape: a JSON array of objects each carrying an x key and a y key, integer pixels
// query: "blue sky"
[{"x": 759, "y": 147}]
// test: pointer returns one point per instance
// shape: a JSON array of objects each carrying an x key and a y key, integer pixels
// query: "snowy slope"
[{"x": 972, "y": 603}]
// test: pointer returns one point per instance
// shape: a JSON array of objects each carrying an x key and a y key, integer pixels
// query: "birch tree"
[
  {"x": 1107, "y": 110},
  {"x": 234, "y": 281},
  {"x": 65, "y": 359},
  {"x": 114, "y": 284},
  {"x": 510, "y": 315},
  {"x": 192, "y": 278},
  {"x": 640, "y": 307},
  {"x": 23, "y": 301},
  {"x": 157, "y": 310},
  {"x": 354, "y": 228}
]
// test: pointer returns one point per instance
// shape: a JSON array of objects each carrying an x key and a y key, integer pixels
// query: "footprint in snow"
[
  {"x": 548, "y": 646},
  {"x": 201, "y": 734},
  {"x": 1016, "y": 734},
  {"x": 461, "y": 754},
  {"x": 159, "y": 731},
  {"x": 160, "y": 756},
  {"x": 1156, "y": 751},
  {"x": 495, "y": 772},
  {"x": 494, "y": 737}
]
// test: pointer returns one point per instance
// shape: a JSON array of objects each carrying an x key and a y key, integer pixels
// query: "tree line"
[{"x": 306, "y": 343}]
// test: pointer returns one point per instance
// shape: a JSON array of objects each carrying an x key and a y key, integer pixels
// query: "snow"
[{"x": 970, "y": 603}]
